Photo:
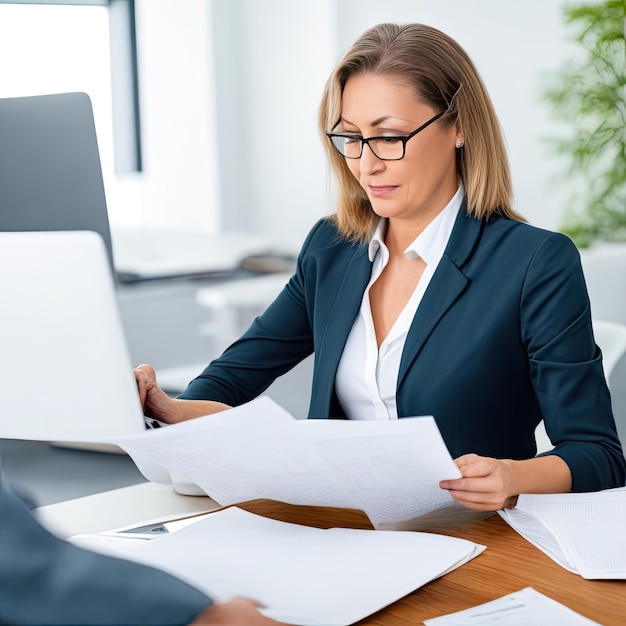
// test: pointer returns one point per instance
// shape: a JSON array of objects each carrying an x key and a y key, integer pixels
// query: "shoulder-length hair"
[{"x": 442, "y": 76}]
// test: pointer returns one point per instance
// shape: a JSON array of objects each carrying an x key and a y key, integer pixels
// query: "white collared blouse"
[{"x": 367, "y": 376}]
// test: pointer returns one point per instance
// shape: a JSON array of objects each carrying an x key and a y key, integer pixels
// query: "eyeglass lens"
[{"x": 383, "y": 147}]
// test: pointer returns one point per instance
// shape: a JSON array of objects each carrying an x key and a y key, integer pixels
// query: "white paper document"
[
  {"x": 522, "y": 608},
  {"x": 390, "y": 470},
  {"x": 302, "y": 575},
  {"x": 583, "y": 532}
]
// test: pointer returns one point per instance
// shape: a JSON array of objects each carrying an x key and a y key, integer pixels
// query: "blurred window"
[{"x": 89, "y": 45}]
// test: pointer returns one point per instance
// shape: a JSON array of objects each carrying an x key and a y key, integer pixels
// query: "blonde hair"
[{"x": 444, "y": 77}]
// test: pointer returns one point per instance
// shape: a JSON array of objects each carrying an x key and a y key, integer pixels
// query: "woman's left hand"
[{"x": 487, "y": 484}]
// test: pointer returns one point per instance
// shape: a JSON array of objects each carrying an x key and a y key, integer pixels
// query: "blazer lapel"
[
  {"x": 343, "y": 313},
  {"x": 446, "y": 285}
]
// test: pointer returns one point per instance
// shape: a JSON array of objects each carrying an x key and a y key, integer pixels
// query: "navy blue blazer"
[
  {"x": 502, "y": 339},
  {"x": 44, "y": 580}
]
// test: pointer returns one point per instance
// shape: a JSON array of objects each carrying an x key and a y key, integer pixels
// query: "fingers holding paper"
[
  {"x": 238, "y": 612},
  {"x": 487, "y": 484}
]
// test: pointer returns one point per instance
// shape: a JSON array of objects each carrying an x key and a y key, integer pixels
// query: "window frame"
[{"x": 127, "y": 152}]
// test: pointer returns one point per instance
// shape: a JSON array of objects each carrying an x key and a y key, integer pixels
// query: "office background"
[
  {"x": 228, "y": 92},
  {"x": 226, "y": 85}
]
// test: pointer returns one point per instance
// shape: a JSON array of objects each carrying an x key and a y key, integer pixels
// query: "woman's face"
[{"x": 413, "y": 190}]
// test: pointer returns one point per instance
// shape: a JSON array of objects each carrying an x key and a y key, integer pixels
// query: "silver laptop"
[{"x": 65, "y": 370}]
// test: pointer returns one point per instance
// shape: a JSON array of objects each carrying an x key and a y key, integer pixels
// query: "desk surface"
[
  {"x": 47, "y": 474},
  {"x": 509, "y": 564}
]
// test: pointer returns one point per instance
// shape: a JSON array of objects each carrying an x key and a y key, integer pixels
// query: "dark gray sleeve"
[{"x": 44, "y": 580}]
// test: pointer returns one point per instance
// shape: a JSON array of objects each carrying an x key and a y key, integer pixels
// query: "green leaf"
[{"x": 589, "y": 96}]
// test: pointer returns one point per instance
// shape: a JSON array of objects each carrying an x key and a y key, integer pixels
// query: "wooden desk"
[{"x": 509, "y": 564}]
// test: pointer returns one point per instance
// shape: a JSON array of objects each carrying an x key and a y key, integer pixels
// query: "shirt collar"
[
  {"x": 431, "y": 242},
  {"x": 378, "y": 239}
]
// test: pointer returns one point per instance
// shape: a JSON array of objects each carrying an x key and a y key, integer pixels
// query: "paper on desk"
[
  {"x": 523, "y": 608},
  {"x": 582, "y": 532},
  {"x": 390, "y": 470},
  {"x": 302, "y": 575}
]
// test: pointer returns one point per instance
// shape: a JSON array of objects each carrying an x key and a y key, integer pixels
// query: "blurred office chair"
[
  {"x": 604, "y": 266},
  {"x": 611, "y": 338}
]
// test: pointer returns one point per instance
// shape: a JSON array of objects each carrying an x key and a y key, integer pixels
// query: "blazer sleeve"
[
  {"x": 566, "y": 367},
  {"x": 44, "y": 580},
  {"x": 276, "y": 342}
]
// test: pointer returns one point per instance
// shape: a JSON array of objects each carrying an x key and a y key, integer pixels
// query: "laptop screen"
[{"x": 64, "y": 364}]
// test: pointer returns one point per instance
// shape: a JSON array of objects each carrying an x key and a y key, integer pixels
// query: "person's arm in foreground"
[{"x": 44, "y": 580}]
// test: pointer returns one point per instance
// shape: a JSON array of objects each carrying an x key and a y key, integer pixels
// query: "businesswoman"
[{"x": 426, "y": 293}]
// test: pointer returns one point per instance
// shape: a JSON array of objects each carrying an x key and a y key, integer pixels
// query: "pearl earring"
[{"x": 459, "y": 143}]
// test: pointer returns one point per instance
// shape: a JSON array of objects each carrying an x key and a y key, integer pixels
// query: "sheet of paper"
[
  {"x": 302, "y": 575},
  {"x": 390, "y": 470},
  {"x": 253, "y": 451},
  {"x": 583, "y": 532},
  {"x": 527, "y": 607}
]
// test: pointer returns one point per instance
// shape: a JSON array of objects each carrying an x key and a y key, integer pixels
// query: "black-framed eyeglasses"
[{"x": 389, "y": 148}]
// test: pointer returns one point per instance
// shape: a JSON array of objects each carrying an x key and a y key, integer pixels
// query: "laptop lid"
[
  {"x": 65, "y": 370},
  {"x": 50, "y": 174}
]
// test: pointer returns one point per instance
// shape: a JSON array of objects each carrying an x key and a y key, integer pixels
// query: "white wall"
[
  {"x": 179, "y": 185},
  {"x": 273, "y": 58}
]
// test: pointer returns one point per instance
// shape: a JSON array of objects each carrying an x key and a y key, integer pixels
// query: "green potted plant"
[{"x": 588, "y": 97}]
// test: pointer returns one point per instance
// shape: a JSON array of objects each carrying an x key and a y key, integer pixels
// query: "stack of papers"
[
  {"x": 582, "y": 532},
  {"x": 522, "y": 608},
  {"x": 389, "y": 470},
  {"x": 301, "y": 575}
]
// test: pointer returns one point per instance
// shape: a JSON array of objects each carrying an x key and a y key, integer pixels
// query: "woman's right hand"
[
  {"x": 154, "y": 401},
  {"x": 158, "y": 405}
]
